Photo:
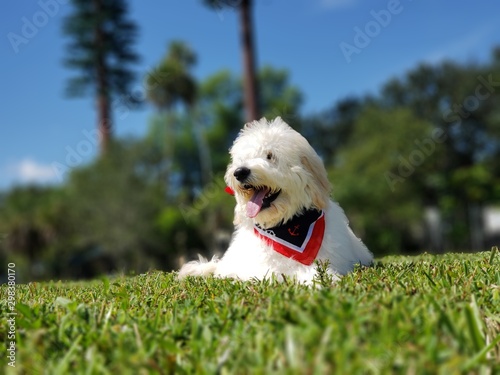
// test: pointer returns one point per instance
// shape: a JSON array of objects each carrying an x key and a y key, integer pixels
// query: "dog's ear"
[{"x": 319, "y": 188}]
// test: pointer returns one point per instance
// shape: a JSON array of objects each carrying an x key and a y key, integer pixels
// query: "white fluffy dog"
[{"x": 284, "y": 217}]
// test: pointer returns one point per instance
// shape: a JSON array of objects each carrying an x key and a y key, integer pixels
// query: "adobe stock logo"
[
  {"x": 422, "y": 150},
  {"x": 483, "y": 91},
  {"x": 210, "y": 191},
  {"x": 76, "y": 155},
  {"x": 32, "y": 25},
  {"x": 364, "y": 36},
  {"x": 90, "y": 140},
  {"x": 485, "y": 88}
]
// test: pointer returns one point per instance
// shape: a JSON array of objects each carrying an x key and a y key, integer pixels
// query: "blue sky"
[{"x": 40, "y": 128}]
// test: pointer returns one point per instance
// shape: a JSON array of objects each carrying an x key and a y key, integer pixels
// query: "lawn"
[{"x": 406, "y": 315}]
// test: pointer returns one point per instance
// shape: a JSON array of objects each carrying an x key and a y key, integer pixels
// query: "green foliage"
[
  {"x": 429, "y": 140},
  {"x": 182, "y": 232},
  {"x": 170, "y": 82},
  {"x": 33, "y": 221},
  {"x": 329, "y": 130},
  {"x": 477, "y": 182},
  {"x": 368, "y": 176},
  {"x": 278, "y": 96},
  {"x": 194, "y": 143},
  {"x": 125, "y": 203},
  {"x": 426, "y": 314},
  {"x": 221, "y": 111},
  {"x": 153, "y": 201},
  {"x": 461, "y": 100},
  {"x": 104, "y": 219}
]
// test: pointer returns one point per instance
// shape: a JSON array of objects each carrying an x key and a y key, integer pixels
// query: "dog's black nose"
[{"x": 241, "y": 173}]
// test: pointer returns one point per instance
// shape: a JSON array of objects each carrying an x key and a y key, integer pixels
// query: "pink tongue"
[{"x": 255, "y": 203}]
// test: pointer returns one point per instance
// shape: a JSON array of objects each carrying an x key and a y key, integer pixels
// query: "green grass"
[{"x": 407, "y": 315}]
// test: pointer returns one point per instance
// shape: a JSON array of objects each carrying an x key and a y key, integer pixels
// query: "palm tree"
[
  {"x": 101, "y": 51},
  {"x": 171, "y": 84},
  {"x": 251, "y": 96}
]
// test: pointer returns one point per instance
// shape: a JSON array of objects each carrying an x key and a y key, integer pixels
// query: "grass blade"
[
  {"x": 62, "y": 367},
  {"x": 479, "y": 357},
  {"x": 475, "y": 324},
  {"x": 429, "y": 278},
  {"x": 494, "y": 251}
]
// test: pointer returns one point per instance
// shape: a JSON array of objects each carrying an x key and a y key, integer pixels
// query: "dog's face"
[{"x": 275, "y": 174}]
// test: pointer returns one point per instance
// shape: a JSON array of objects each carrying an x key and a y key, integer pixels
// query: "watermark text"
[{"x": 11, "y": 314}]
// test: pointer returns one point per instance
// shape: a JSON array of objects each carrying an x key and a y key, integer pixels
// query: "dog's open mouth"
[{"x": 261, "y": 198}]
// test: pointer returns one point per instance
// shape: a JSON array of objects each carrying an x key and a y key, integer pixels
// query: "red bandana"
[{"x": 299, "y": 239}]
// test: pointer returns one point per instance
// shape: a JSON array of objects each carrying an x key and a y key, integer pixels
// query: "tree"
[
  {"x": 378, "y": 176},
  {"x": 221, "y": 107},
  {"x": 462, "y": 101},
  {"x": 114, "y": 205},
  {"x": 171, "y": 82},
  {"x": 34, "y": 222},
  {"x": 251, "y": 90},
  {"x": 101, "y": 51},
  {"x": 217, "y": 114},
  {"x": 278, "y": 96},
  {"x": 329, "y": 130}
]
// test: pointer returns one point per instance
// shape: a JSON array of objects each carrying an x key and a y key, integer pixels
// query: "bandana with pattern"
[{"x": 300, "y": 238}]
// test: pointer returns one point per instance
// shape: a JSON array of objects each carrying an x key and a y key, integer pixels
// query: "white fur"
[{"x": 297, "y": 170}]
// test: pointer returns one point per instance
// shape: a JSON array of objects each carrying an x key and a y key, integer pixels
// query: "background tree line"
[{"x": 428, "y": 139}]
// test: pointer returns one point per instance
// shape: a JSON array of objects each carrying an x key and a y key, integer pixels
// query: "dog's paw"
[{"x": 200, "y": 267}]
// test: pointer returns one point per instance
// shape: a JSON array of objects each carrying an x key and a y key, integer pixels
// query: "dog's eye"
[{"x": 269, "y": 156}]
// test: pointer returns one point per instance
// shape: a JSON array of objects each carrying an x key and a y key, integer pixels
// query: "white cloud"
[
  {"x": 337, "y": 4},
  {"x": 31, "y": 171}
]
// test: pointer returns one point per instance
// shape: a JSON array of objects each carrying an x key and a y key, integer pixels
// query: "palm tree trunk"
[
  {"x": 104, "y": 123},
  {"x": 103, "y": 105},
  {"x": 251, "y": 98}
]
